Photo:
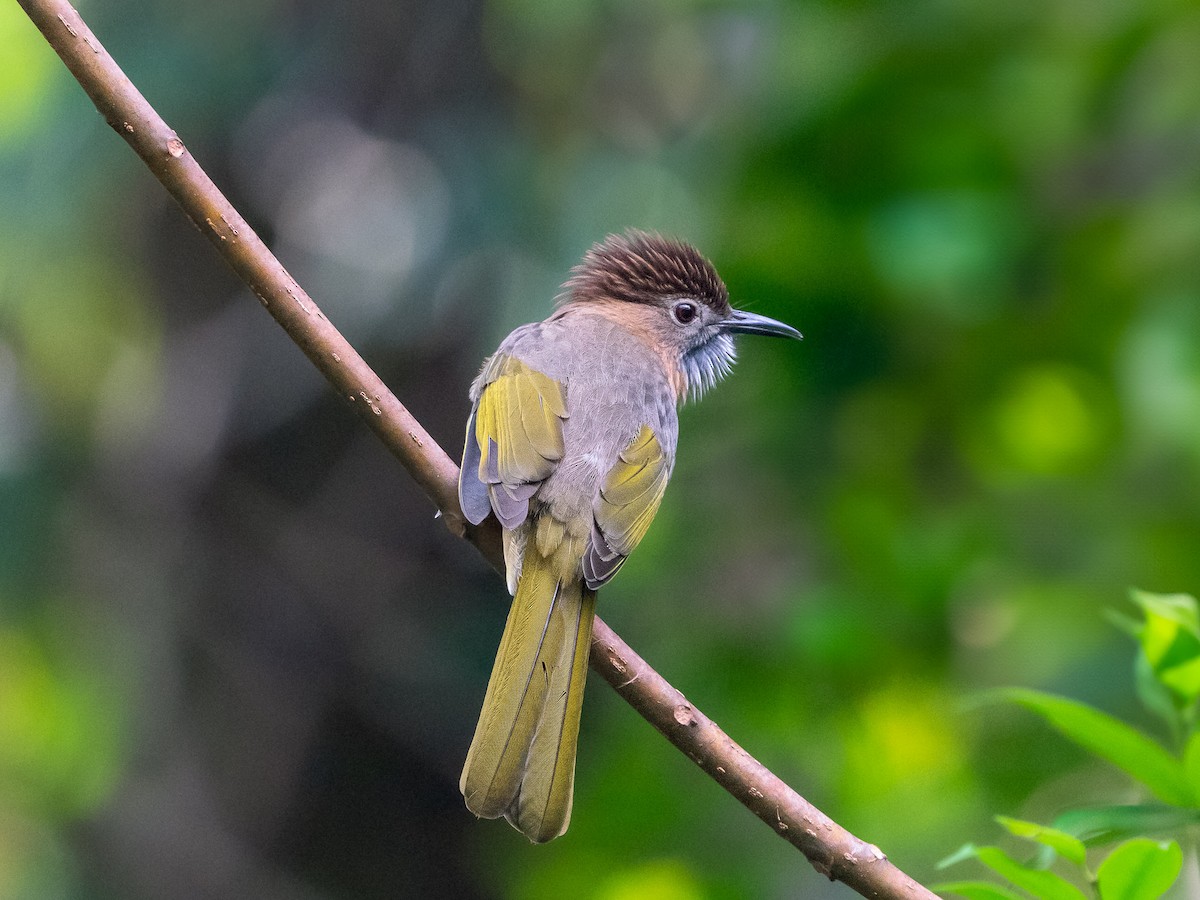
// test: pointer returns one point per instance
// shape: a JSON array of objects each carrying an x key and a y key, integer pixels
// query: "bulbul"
[{"x": 570, "y": 444}]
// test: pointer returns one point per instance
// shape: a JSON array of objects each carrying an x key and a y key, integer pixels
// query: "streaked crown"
[{"x": 645, "y": 268}]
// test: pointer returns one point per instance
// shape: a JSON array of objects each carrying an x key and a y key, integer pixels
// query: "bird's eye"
[{"x": 684, "y": 311}]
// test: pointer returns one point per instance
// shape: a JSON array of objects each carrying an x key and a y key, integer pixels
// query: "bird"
[{"x": 570, "y": 444}]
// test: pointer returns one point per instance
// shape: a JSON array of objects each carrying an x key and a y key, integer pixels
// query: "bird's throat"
[{"x": 705, "y": 365}]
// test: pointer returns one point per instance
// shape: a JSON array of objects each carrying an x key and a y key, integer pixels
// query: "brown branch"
[{"x": 831, "y": 849}]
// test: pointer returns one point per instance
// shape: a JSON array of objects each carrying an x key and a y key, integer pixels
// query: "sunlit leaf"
[
  {"x": 1181, "y": 609},
  {"x": 1185, "y": 677},
  {"x": 1140, "y": 869},
  {"x": 1066, "y": 845},
  {"x": 1113, "y": 740},
  {"x": 1104, "y": 824},
  {"x": 1039, "y": 882},
  {"x": 1170, "y": 639}
]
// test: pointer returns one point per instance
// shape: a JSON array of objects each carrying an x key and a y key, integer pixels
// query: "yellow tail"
[{"x": 521, "y": 764}]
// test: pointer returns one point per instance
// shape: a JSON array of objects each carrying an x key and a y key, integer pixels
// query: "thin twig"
[{"x": 831, "y": 849}]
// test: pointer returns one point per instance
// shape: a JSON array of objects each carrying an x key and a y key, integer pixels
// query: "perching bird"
[{"x": 570, "y": 444}]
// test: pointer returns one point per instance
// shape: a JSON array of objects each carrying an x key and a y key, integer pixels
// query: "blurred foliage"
[
  {"x": 1167, "y": 674},
  {"x": 239, "y": 658},
  {"x": 1138, "y": 869}
]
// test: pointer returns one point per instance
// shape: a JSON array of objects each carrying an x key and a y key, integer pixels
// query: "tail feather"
[
  {"x": 543, "y": 808},
  {"x": 521, "y": 764}
]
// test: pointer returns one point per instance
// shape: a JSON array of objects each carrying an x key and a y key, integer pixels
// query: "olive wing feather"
[
  {"x": 514, "y": 441},
  {"x": 627, "y": 503}
]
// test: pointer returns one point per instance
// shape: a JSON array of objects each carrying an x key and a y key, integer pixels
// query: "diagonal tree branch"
[{"x": 832, "y": 850}]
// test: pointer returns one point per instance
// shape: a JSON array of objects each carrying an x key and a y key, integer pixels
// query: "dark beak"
[{"x": 742, "y": 322}]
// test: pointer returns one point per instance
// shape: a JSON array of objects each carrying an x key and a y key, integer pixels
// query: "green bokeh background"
[{"x": 239, "y": 658}]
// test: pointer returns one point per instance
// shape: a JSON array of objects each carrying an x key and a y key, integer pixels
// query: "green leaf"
[
  {"x": 1191, "y": 761},
  {"x": 1105, "y": 824},
  {"x": 965, "y": 852},
  {"x": 1065, "y": 845},
  {"x": 1131, "y": 626},
  {"x": 1140, "y": 869},
  {"x": 1039, "y": 882},
  {"x": 1157, "y": 697},
  {"x": 1181, "y": 610},
  {"x": 1184, "y": 678},
  {"x": 1170, "y": 639},
  {"x": 1113, "y": 740},
  {"x": 976, "y": 890}
]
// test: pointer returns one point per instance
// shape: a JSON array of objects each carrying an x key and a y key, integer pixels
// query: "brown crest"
[{"x": 645, "y": 268}]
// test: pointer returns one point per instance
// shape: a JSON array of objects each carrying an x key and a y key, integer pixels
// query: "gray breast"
[{"x": 614, "y": 386}]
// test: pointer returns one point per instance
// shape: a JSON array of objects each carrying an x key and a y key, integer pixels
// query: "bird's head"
[{"x": 667, "y": 292}]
